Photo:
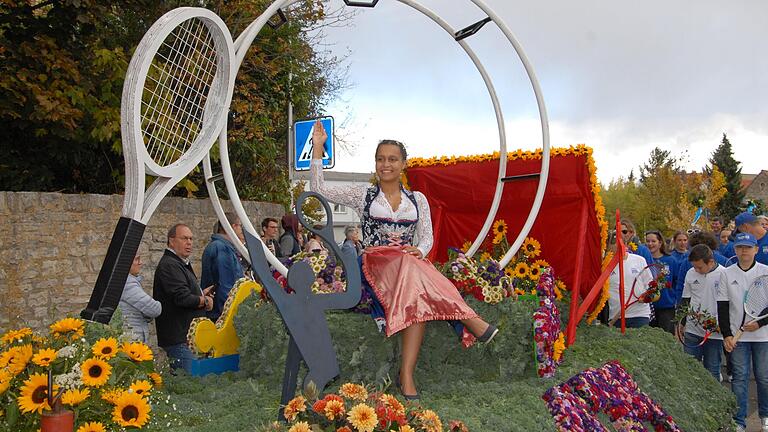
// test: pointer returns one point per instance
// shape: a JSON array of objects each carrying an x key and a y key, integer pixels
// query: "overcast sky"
[{"x": 620, "y": 76}]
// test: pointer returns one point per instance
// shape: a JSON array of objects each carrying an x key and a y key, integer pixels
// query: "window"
[{"x": 339, "y": 209}]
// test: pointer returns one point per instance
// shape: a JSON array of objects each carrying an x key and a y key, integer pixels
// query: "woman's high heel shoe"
[{"x": 413, "y": 397}]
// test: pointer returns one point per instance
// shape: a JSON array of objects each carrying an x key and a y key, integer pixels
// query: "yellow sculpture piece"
[{"x": 217, "y": 340}]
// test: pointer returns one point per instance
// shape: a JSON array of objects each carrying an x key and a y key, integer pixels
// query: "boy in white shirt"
[
  {"x": 702, "y": 290},
  {"x": 639, "y": 314},
  {"x": 752, "y": 346}
]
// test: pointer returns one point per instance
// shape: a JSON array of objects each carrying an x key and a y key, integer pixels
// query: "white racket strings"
[
  {"x": 756, "y": 300},
  {"x": 179, "y": 81}
]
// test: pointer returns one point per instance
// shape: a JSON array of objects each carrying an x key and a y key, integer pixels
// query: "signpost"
[{"x": 302, "y": 144}]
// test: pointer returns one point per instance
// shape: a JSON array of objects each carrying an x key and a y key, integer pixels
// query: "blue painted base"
[{"x": 217, "y": 365}]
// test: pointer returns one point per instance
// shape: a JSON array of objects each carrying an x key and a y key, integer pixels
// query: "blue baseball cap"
[
  {"x": 744, "y": 239},
  {"x": 745, "y": 218}
]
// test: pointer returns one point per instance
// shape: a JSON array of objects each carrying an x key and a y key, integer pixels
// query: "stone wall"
[{"x": 52, "y": 246}]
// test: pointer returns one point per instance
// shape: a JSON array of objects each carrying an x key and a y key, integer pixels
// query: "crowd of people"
[{"x": 707, "y": 274}]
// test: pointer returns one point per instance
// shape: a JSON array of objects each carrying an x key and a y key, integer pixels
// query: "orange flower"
[
  {"x": 294, "y": 407},
  {"x": 354, "y": 391},
  {"x": 334, "y": 410}
]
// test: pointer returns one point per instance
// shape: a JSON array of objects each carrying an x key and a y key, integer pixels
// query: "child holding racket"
[
  {"x": 744, "y": 337},
  {"x": 702, "y": 290},
  {"x": 637, "y": 276}
]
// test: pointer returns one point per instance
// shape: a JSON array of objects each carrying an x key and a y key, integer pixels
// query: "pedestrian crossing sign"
[{"x": 302, "y": 131}]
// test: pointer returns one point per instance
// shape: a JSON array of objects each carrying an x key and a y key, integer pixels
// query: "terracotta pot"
[{"x": 62, "y": 421}]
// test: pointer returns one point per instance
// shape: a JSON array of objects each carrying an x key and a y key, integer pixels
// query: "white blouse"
[{"x": 353, "y": 196}]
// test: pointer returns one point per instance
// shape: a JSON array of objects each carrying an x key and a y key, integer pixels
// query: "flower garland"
[
  {"x": 484, "y": 279},
  {"x": 356, "y": 408},
  {"x": 610, "y": 390},
  {"x": 605, "y": 293},
  {"x": 546, "y": 328},
  {"x": 577, "y": 150}
]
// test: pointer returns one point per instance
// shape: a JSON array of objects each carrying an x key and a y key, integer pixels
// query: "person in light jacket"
[{"x": 138, "y": 307}]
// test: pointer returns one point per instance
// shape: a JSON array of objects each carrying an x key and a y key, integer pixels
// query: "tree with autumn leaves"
[{"x": 62, "y": 66}]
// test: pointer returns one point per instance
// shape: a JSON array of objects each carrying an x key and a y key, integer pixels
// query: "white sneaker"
[
  {"x": 764, "y": 423},
  {"x": 740, "y": 428}
]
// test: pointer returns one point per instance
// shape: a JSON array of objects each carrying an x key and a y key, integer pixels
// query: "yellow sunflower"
[
  {"x": 105, "y": 348},
  {"x": 96, "y": 372},
  {"x": 141, "y": 387},
  {"x": 13, "y": 335},
  {"x": 74, "y": 397},
  {"x": 499, "y": 231},
  {"x": 16, "y": 358},
  {"x": 44, "y": 357},
  {"x": 559, "y": 288},
  {"x": 541, "y": 263},
  {"x": 465, "y": 247},
  {"x": 34, "y": 394},
  {"x": 300, "y": 427},
  {"x": 92, "y": 427},
  {"x": 485, "y": 256},
  {"x": 137, "y": 351},
  {"x": 353, "y": 391},
  {"x": 363, "y": 418},
  {"x": 156, "y": 378},
  {"x": 534, "y": 272},
  {"x": 5, "y": 380},
  {"x": 531, "y": 247},
  {"x": 74, "y": 328},
  {"x": 522, "y": 270},
  {"x": 112, "y": 395},
  {"x": 131, "y": 410}
]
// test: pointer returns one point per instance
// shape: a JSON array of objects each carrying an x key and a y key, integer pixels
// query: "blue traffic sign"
[{"x": 302, "y": 134}]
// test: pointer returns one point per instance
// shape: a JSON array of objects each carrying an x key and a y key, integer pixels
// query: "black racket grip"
[{"x": 114, "y": 271}]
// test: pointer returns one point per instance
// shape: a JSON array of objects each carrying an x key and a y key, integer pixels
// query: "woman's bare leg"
[
  {"x": 476, "y": 326},
  {"x": 413, "y": 335}
]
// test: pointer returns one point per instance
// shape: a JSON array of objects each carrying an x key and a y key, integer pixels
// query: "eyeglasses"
[
  {"x": 624, "y": 231},
  {"x": 693, "y": 231}
]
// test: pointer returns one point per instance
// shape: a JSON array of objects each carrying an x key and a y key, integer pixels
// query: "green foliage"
[
  {"x": 62, "y": 66},
  {"x": 490, "y": 388},
  {"x": 722, "y": 158}
]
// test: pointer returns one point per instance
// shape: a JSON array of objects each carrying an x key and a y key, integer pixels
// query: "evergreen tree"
[{"x": 722, "y": 158}]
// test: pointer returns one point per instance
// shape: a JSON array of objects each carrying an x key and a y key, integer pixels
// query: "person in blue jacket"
[
  {"x": 679, "y": 246},
  {"x": 221, "y": 265},
  {"x": 665, "y": 306},
  {"x": 633, "y": 242}
]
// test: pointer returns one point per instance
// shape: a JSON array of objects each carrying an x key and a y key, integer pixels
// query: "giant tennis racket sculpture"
[{"x": 176, "y": 96}]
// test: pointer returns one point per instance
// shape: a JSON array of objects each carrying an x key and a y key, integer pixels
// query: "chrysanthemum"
[
  {"x": 112, "y": 395},
  {"x": 44, "y": 357},
  {"x": 92, "y": 427},
  {"x": 131, "y": 410},
  {"x": 137, "y": 351},
  {"x": 406, "y": 428},
  {"x": 14, "y": 335},
  {"x": 34, "y": 394},
  {"x": 105, "y": 348},
  {"x": 156, "y": 378},
  {"x": 96, "y": 372},
  {"x": 531, "y": 247},
  {"x": 392, "y": 403},
  {"x": 141, "y": 387},
  {"x": 72, "y": 327},
  {"x": 74, "y": 397},
  {"x": 300, "y": 427},
  {"x": 334, "y": 410},
  {"x": 344, "y": 429},
  {"x": 354, "y": 391},
  {"x": 499, "y": 231},
  {"x": 363, "y": 418},
  {"x": 430, "y": 422},
  {"x": 522, "y": 270},
  {"x": 294, "y": 407}
]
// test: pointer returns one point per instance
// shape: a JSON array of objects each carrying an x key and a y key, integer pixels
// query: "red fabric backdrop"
[{"x": 460, "y": 197}]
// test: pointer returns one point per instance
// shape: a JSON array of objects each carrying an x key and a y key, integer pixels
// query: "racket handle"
[
  {"x": 737, "y": 335},
  {"x": 114, "y": 271}
]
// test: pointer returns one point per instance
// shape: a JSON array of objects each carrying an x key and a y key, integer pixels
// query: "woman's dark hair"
[
  {"x": 678, "y": 233},
  {"x": 290, "y": 223},
  {"x": 398, "y": 144},
  {"x": 660, "y": 238},
  {"x": 705, "y": 238}
]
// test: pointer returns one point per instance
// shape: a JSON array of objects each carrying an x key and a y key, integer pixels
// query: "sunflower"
[
  {"x": 363, "y": 418},
  {"x": 74, "y": 397},
  {"x": 559, "y": 288},
  {"x": 34, "y": 394},
  {"x": 5, "y": 380},
  {"x": 534, "y": 272},
  {"x": 353, "y": 391},
  {"x": 72, "y": 327},
  {"x": 112, "y": 395},
  {"x": 16, "y": 359},
  {"x": 137, "y": 351},
  {"x": 13, "y": 335},
  {"x": 131, "y": 410},
  {"x": 300, "y": 427},
  {"x": 521, "y": 270},
  {"x": 96, "y": 372},
  {"x": 531, "y": 247},
  {"x": 141, "y": 387},
  {"x": 499, "y": 231},
  {"x": 105, "y": 348},
  {"x": 92, "y": 427},
  {"x": 465, "y": 247},
  {"x": 334, "y": 410},
  {"x": 485, "y": 256},
  {"x": 541, "y": 263},
  {"x": 294, "y": 407},
  {"x": 430, "y": 422},
  {"x": 156, "y": 378},
  {"x": 44, "y": 357}
]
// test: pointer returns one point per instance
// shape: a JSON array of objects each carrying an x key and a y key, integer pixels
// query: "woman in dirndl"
[{"x": 397, "y": 236}]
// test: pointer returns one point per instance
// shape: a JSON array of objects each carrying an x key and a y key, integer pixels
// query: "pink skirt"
[{"x": 411, "y": 290}]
